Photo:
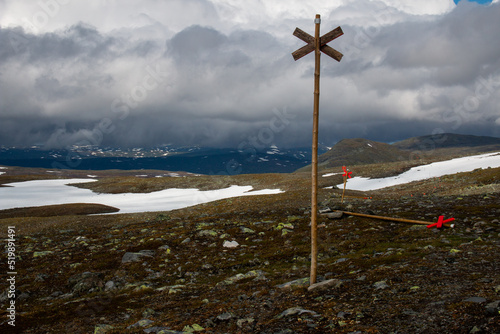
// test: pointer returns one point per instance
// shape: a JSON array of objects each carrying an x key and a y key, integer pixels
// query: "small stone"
[
  {"x": 334, "y": 215},
  {"x": 475, "y": 329},
  {"x": 294, "y": 311},
  {"x": 147, "y": 252},
  {"x": 284, "y": 226},
  {"x": 381, "y": 285},
  {"x": 193, "y": 328},
  {"x": 242, "y": 322},
  {"x": 247, "y": 230},
  {"x": 102, "y": 329},
  {"x": 207, "y": 233},
  {"x": 109, "y": 286},
  {"x": 141, "y": 323},
  {"x": 207, "y": 266},
  {"x": 225, "y": 316},
  {"x": 44, "y": 253},
  {"x": 135, "y": 257},
  {"x": 493, "y": 308},
  {"x": 230, "y": 244},
  {"x": 325, "y": 285},
  {"x": 454, "y": 251},
  {"x": 475, "y": 300},
  {"x": 301, "y": 282},
  {"x": 256, "y": 274},
  {"x": 56, "y": 294},
  {"x": 343, "y": 315},
  {"x": 410, "y": 312},
  {"x": 341, "y": 260},
  {"x": 175, "y": 289}
]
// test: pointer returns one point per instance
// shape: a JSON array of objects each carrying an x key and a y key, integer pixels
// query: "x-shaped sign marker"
[
  {"x": 328, "y": 37},
  {"x": 346, "y": 173},
  {"x": 440, "y": 222}
]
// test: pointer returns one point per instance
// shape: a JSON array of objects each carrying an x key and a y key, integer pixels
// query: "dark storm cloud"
[
  {"x": 211, "y": 83},
  {"x": 458, "y": 47}
]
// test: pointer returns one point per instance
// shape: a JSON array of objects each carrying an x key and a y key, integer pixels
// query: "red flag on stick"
[{"x": 346, "y": 176}]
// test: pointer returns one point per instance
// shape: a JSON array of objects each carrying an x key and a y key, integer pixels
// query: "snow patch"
[
  {"x": 436, "y": 169},
  {"x": 330, "y": 174},
  {"x": 52, "y": 192}
]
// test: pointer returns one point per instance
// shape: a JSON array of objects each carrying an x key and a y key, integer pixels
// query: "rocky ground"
[{"x": 241, "y": 265}]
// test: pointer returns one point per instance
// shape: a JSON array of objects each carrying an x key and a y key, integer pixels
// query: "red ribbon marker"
[
  {"x": 440, "y": 222},
  {"x": 346, "y": 173}
]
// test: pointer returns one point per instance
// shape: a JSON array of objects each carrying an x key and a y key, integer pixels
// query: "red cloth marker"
[
  {"x": 440, "y": 222},
  {"x": 346, "y": 173}
]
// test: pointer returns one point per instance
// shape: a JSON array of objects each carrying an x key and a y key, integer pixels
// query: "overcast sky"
[{"x": 220, "y": 72}]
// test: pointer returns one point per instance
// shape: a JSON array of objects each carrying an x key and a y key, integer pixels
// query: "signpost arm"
[{"x": 314, "y": 192}]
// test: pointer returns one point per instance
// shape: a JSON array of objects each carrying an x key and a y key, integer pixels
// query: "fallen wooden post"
[{"x": 401, "y": 220}]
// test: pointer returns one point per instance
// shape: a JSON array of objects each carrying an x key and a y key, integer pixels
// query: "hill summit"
[{"x": 359, "y": 151}]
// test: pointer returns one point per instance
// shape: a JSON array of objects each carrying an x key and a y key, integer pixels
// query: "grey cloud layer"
[{"x": 402, "y": 75}]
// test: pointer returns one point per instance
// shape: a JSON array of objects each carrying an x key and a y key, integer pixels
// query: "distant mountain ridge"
[
  {"x": 445, "y": 140},
  {"x": 219, "y": 161},
  {"x": 227, "y": 161},
  {"x": 359, "y": 151}
]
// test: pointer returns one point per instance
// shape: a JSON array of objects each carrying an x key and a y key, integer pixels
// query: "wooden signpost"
[{"x": 317, "y": 44}]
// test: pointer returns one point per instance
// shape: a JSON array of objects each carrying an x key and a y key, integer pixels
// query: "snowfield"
[
  {"x": 436, "y": 169},
  {"x": 51, "y": 192}
]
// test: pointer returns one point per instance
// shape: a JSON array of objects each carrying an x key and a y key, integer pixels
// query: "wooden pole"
[
  {"x": 401, "y": 220},
  {"x": 314, "y": 176},
  {"x": 343, "y": 192}
]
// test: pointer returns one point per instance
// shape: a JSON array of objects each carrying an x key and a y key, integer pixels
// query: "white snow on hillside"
[
  {"x": 436, "y": 169},
  {"x": 51, "y": 192},
  {"x": 331, "y": 174}
]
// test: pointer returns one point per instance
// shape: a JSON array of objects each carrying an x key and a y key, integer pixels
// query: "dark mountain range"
[
  {"x": 209, "y": 161},
  {"x": 446, "y": 140},
  {"x": 219, "y": 161}
]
